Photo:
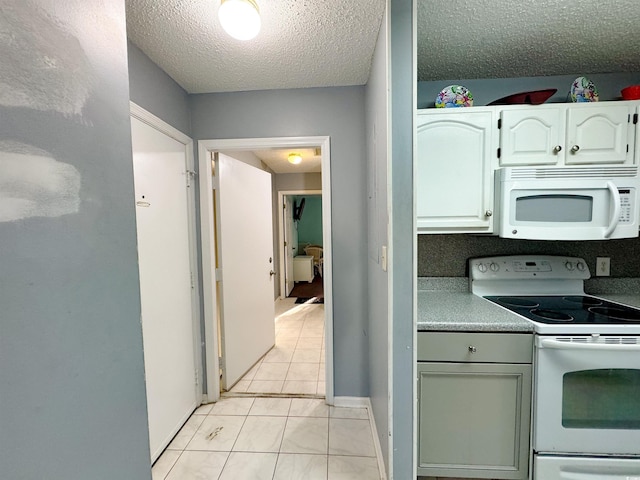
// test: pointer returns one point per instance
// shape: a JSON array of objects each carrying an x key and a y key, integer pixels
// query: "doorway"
[{"x": 212, "y": 299}]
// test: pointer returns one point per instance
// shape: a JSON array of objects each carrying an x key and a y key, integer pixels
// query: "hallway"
[{"x": 295, "y": 365}]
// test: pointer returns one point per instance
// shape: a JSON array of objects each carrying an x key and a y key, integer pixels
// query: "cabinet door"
[
  {"x": 454, "y": 188},
  {"x": 531, "y": 136},
  {"x": 474, "y": 420},
  {"x": 599, "y": 134}
]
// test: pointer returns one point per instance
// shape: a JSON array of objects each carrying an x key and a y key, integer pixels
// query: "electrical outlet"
[{"x": 603, "y": 267}]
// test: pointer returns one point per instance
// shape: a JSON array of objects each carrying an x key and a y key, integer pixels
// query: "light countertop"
[{"x": 447, "y": 305}]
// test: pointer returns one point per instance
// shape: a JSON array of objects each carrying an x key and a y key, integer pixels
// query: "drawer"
[{"x": 475, "y": 347}]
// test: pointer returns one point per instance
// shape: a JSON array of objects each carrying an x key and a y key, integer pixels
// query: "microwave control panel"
[{"x": 626, "y": 205}]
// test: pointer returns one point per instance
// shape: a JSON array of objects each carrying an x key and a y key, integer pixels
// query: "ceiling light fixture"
[
  {"x": 295, "y": 158},
  {"x": 240, "y": 18}
]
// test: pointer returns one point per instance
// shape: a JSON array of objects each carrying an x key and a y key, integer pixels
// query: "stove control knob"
[
  {"x": 581, "y": 266},
  {"x": 568, "y": 266},
  {"x": 482, "y": 267},
  {"x": 494, "y": 267}
]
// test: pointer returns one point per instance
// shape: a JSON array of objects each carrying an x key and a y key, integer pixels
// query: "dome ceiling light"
[
  {"x": 295, "y": 158},
  {"x": 240, "y": 18}
]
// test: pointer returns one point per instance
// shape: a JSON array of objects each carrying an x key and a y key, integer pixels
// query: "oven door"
[{"x": 587, "y": 398}]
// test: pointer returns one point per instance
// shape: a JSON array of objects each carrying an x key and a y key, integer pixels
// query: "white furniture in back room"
[{"x": 303, "y": 268}]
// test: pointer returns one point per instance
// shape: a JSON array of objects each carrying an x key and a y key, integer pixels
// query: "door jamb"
[
  {"x": 281, "y": 195},
  {"x": 211, "y": 340}
]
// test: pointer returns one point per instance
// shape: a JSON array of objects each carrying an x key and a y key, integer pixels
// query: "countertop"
[
  {"x": 445, "y": 304},
  {"x": 465, "y": 312}
]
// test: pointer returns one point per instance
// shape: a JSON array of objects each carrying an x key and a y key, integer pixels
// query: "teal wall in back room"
[{"x": 310, "y": 225}]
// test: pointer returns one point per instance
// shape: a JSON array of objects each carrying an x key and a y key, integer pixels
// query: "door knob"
[{"x": 575, "y": 148}]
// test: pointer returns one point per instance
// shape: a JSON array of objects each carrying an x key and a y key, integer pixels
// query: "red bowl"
[{"x": 631, "y": 93}]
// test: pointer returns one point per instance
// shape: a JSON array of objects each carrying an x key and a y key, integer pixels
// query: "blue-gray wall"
[
  {"x": 155, "y": 91},
  {"x": 339, "y": 113},
  {"x": 377, "y": 132},
  {"x": 403, "y": 273},
  {"x": 72, "y": 396}
]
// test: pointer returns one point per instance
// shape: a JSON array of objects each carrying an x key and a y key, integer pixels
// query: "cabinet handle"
[
  {"x": 557, "y": 149},
  {"x": 272, "y": 273},
  {"x": 575, "y": 148},
  {"x": 472, "y": 349},
  {"x": 488, "y": 213}
]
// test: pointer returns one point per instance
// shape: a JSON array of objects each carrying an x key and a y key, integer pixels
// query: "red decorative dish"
[
  {"x": 631, "y": 93},
  {"x": 535, "y": 97}
]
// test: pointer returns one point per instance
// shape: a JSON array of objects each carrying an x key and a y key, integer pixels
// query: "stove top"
[
  {"x": 549, "y": 292},
  {"x": 569, "y": 310}
]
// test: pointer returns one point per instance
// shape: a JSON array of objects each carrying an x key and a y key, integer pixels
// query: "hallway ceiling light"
[
  {"x": 295, "y": 158},
  {"x": 240, "y": 18}
]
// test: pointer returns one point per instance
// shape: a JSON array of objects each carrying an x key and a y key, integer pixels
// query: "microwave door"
[{"x": 569, "y": 214}]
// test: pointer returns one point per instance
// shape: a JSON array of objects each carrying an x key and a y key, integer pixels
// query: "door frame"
[
  {"x": 282, "y": 253},
  {"x": 146, "y": 117},
  {"x": 210, "y": 301}
]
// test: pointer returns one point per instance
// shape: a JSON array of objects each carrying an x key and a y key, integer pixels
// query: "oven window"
[
  {"x": 554, "y": 208},
  {"x": 601, "y": 399}
]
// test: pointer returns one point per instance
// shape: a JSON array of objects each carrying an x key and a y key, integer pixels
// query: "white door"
[
  {"x": 289, "y": 244},
  {"x": 246, "y": 260},
  {"x": 165, "y": 281}
]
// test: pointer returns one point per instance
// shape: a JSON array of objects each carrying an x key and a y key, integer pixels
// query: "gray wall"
[
  {"x": 72, "y": 379},
  {"x": 339, "y": 113},
  {"x": 403, "y": 277},
  {"x": 447, "y": 255},
  {"x": 298, "y": 181},
  {"x": 487, "y": 90},
  {"x": 377, "y": 232},
  {"x": 155, "y": 91}
]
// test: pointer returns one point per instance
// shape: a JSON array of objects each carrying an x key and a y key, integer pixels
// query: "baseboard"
[{"x": 365, "y": 402}]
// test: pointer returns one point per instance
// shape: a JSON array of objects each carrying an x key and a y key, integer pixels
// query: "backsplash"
[{"x": 447, "y": 255}]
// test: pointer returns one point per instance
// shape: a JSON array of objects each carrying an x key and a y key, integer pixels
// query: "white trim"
[
  {"x": 281, "y": 253},
  {"x": 351, "y": 402},
  {"x": 376, "y": 442},
  {"x": 211, "y": 340},
  {"x": 161, "y": 126}
]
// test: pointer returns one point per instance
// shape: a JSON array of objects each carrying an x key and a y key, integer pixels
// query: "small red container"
[{"x": 631, "y": 93}]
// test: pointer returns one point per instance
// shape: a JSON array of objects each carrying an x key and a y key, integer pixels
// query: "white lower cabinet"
[
  {"x": 303, "y": 268},
  {"x": 474, "y": 414}
]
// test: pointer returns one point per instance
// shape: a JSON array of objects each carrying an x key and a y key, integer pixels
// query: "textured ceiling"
[
  {"x": 302, "y": 43},
  {"x": 465, "y": 39},
  {"x": 319, "y": 43}
]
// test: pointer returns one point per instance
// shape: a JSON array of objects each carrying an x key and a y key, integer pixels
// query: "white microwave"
[{"x": 572, "y": 203}]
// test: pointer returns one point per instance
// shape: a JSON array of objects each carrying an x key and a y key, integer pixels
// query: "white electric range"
[{"x": 586, "y": 408}]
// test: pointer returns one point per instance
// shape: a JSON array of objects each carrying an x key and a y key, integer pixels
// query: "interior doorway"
[{"x": 318, "y": 319}]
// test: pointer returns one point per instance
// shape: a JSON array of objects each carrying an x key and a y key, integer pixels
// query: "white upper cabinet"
[
  {"x": 455, "y": 151},
  {"x": 576, "y": 134},
  {"x": 530, "y": 136}
]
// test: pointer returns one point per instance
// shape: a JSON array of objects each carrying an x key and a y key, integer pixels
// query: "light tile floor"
[
  {"x": 271, "y": 439},
  {"x": 295, "y": 365}
]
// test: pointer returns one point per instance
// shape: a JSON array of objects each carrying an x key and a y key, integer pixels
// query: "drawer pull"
[{"x": 472, "y": 349}]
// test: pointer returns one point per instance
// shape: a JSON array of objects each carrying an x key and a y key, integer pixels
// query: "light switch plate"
[{"x": 383, "y": 258}]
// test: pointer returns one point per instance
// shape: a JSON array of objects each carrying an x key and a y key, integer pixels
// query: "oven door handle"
[
  {"x": 560, "y": 345},
  {"x": 615, "y": 195}
]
